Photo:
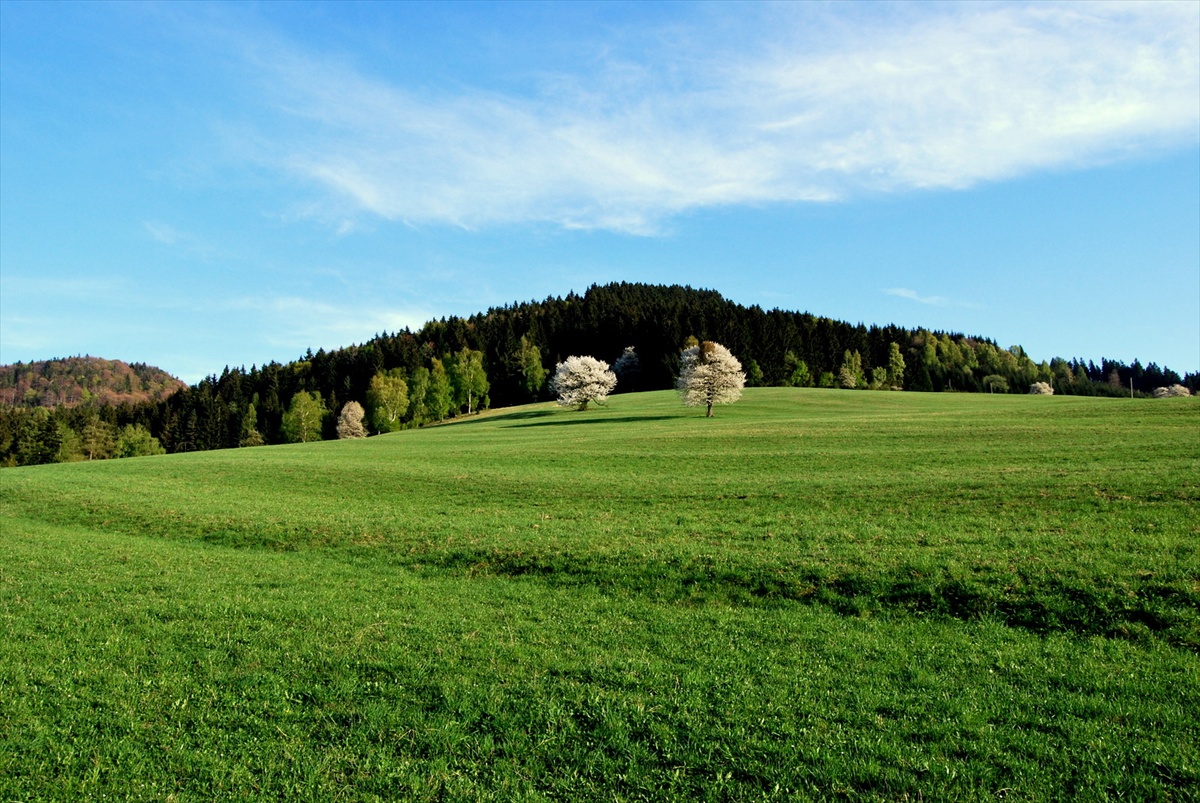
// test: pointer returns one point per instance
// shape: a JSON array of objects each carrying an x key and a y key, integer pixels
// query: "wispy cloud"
[
  {"x": 166, "y": 234},
  {"x": 162, "y": 232},
  {"x": 913, "y": 295},
  {"x": 809, "y": 107},
  {"x": 932, "y": 301},
  {"x": 44, "y": 291}
]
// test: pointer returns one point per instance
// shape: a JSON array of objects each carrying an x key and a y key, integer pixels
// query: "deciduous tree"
[
  {"x": 580, "y": 380},
  {"x": 851, "y": 375},
  {"x": 418, "y": 388},
  {"x": 136, "y": 441},
  {"x": 350, "y": 421},
  {"x": 710, "y": 375},
  {"x": 304, "y": 418},
  {"x": 995, "y": 383},
  {"x": 438, "y": 398},
  {"x": 798, "y": 373},
  {"x": 531, "y": 367},
  {"x": 387, "y": 398},
  {"x": 895, "y": 367},
  {"x": 469, "y": 379}
]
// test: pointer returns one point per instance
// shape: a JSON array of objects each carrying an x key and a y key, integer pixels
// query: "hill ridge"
[{"x": 71, "y": 381}]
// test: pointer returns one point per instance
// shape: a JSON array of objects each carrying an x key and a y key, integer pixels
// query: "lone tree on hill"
[
  {"x": 579, "y": 380},
  {"x": 709, "y": 375}
]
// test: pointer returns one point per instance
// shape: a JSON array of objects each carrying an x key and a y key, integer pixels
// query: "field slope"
[{"x": 814, "y": 595}]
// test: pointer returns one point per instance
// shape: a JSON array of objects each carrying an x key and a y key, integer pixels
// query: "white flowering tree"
[
  {"x": 350, "y": 421},
  {"x": 579, "y": 380},
  {"x": 709, "y": 375}
]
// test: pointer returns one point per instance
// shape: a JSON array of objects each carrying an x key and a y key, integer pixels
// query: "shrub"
[
  {"x": 1041, "y": 389},
  {"x": 995, "y": 383}
]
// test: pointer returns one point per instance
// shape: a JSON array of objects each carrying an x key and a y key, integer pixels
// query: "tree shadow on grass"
[
  {"x": 476, "y": 418},
  {"x": 563, "y": 418},
  {"x": 625, "y": 419}
]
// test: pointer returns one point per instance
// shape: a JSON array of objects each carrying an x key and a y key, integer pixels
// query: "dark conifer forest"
[{"x": 519, "y": 346}]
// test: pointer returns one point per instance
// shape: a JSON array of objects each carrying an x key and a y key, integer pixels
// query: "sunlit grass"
[{"x": 813, "y": 595}]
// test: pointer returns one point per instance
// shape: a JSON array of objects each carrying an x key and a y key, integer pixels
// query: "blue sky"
[{"x": 197, "y": 185}]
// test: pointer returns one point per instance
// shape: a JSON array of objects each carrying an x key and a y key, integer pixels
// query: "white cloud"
[
  {"x": 162, "y": 232},
  {"x": 43, "y": 291},
  {"x": 932, "y": 301},
  {"x": 812, "y": 107},
  {"x": 166, "y": 234},
  {"x": 912, "y": 295}
]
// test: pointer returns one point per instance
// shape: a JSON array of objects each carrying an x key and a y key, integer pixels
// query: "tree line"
[{"x": 456, "y": 366}]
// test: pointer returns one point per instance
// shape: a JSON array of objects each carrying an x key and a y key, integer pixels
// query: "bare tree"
[
  {"x": 709, "y": 375},
  {"x": 579, "y": 380}
]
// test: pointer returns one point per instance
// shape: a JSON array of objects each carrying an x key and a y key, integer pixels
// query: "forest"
[
  {"x": 80, "y": 380},
  {"x": 502, "y": 357}
]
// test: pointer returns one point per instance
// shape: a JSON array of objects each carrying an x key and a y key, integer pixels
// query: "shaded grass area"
[
  {"x": 147, "y": 669},
  {"x": 815, "y": 595}
]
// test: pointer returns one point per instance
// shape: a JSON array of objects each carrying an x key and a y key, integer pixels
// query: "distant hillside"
[
  {"x": 505, "y": 357},
  {"x": 75, "y": 380}
]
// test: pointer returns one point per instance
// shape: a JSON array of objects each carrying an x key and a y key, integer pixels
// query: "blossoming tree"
[
  {"x": 579, "y": 380},
  {"x": 709, "y": 375}
]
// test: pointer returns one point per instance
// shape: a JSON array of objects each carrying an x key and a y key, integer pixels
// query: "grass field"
[{"x": 815, "y": 595}]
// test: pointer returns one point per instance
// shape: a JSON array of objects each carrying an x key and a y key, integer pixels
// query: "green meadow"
[{"x": 815, "y": 595}]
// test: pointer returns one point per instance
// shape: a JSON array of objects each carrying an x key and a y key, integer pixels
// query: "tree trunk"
[{"x": 709, "y": 410}]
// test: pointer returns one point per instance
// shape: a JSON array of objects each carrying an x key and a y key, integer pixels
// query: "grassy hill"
[{"x": 814, "y": 595}]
